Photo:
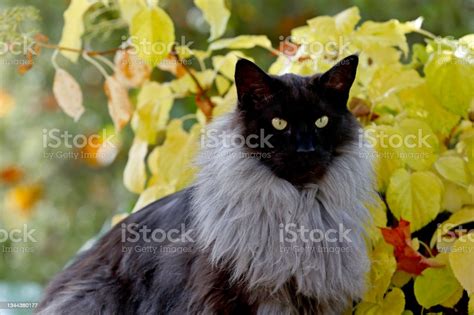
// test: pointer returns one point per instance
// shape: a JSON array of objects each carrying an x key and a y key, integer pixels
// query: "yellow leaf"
[
  {"x": 7, "y": 102},
  {"x": 435, "y": 286},
  {"x": 134, "y": 177},
  {"x": 388, "y": 157},
  {"x": 461, "y": 259},
  {"x": 378, "y": 210},
  {"x": 119, "y": 105},
  {"x": 454, "y": 298},
  {"x": 170, "y": 163},
  {"x": 392, "y": 304},
  {"x": 415, "y": 197},
  {"x": 241, "y": 42},
  {"x": 222, "y": 84},
  {"x": 347, "y": 20},
  {"x": 68, "y": 94},
  {"x": 129, "y": 8},
  {"x": 382, "y": 268},
  {"x": 400, "y": 278},
  {"x": 454, "y": 169},
  {"x": 216, "y": 14},
  {"x": 152, "y": 33},
  {"x": 385, "y": 34},
  {"x": 420, "y": 103},
  {"x": 420, "y": 144},
  {"x": 455, "y": 197},
  {"x": 225, "y": 104},
  {"x": 390, "y": 79},
  {"x": 153, "y": 109},
  {"x": 471, "y": 304},
  {"x": 118, "y": 218},
  {"x": 458, "y": 218},
  {"x": 226, "y": 64},
  {"x": 74, "y": 27},
  {"x": 153, "y": 193},
  {"x": 451, "y": 79}
]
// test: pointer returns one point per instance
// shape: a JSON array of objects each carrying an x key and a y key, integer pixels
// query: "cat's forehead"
[{"x": 298, "y": 95}]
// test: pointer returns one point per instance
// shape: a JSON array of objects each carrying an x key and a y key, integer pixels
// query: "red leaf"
[{"x": 408, "y": 259}]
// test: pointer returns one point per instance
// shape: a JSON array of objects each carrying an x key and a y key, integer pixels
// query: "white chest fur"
[{"x": 270, "y": 232}]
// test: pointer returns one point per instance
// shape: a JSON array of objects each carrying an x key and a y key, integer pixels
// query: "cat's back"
[{"x": 152, "y": 246}]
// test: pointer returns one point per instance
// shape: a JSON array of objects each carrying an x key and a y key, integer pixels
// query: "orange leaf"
[
  {"x": 11, "y": 174},
  {"x": 408, "y": 259},
  {"x": 131, "y": 71}
]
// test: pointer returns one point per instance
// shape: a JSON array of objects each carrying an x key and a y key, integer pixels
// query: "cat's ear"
[
  {"x": 253, "y": 84},
  {"x": 340, "y": 77}
]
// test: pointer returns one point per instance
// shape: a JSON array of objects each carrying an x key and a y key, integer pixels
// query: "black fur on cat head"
[{"x": 302, "y": 151}]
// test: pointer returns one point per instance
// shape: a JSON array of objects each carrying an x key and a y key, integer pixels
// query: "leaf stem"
[{"x": 203, "y": 101}]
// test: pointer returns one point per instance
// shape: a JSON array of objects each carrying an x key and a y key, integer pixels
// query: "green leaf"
[
  {"x": 435, "y": 285},
  {"x": 216, "y": 14},
  {"x": 242, "y": 42},
  {"x": 152, "y": 33},
  {"x": 454, "y": 169},
  {"x": 451, "y": 79},
  {"x": 415, "y": 197},
  {"x": 74, "y": 27}
]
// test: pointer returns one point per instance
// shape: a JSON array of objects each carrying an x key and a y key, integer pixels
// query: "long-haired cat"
[{"x": 273, "y": 224}]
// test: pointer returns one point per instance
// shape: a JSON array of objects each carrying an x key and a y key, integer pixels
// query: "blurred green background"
[{"x": 65, "y": 201}]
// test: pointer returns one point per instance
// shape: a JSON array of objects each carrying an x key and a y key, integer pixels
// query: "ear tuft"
[
  {"x": 251, "y": 81},
  {"x": 341, "y": 76}
]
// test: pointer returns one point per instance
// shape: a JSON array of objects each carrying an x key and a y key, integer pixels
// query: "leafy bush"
[{"x": 415, "y": 104}]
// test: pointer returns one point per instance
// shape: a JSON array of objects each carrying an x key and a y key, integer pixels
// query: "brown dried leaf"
[
  {"x": 68, "y": 94},
  {"x": 130, "y": 70},
  {"x": 120, "y": 108}
]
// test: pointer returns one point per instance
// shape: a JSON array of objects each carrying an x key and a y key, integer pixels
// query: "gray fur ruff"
[{"x": 239, "y": 208}]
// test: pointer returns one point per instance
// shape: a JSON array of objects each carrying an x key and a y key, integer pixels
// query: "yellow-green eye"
[
  {"x": 279, "y": 124},
  {"x": 322, "y": 121}
]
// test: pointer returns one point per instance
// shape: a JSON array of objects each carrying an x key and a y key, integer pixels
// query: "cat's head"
[{"x": 305, "y": 119}]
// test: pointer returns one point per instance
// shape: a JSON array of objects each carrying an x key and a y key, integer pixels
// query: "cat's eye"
[
  {"x": 322, "y": 121},
  {"x": 279, "y": 124}
]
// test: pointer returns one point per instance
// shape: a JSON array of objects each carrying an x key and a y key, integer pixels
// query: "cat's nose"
[
  {"x": 304, "y": 142},
  {"x": 305, "y": 148}
]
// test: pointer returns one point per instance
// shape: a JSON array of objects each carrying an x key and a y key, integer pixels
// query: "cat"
[{"x": 279, "y": 178}]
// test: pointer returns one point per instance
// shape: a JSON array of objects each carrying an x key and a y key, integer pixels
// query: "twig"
[
  {"x": 82, "y": 51},
  {"x": 203, "y": 101}
]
